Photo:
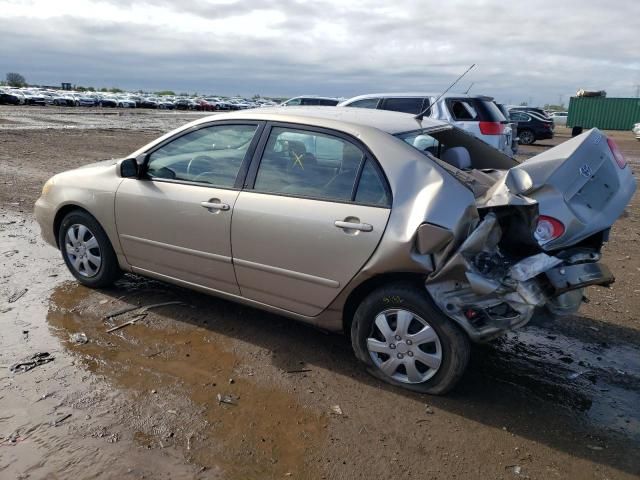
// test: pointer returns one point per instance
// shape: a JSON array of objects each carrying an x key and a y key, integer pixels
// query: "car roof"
[
  {"x": 417, "y": 95},
  {"x": 348, "y": 119},
  {"x": 315, "y": 97}
]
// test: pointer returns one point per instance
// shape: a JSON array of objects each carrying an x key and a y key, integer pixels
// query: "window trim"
[
  {"x": 244, "y": 167},
  {"x": 252, "y": 174}
]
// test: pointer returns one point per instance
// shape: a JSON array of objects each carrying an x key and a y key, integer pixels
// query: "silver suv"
[{"x": 477, "y": 114}]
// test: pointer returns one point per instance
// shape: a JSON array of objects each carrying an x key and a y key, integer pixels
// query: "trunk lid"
[{"x": 580, "y": 184}]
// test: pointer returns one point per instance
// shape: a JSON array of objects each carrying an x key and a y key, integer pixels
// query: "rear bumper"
[{"x": 573, "y": 277}]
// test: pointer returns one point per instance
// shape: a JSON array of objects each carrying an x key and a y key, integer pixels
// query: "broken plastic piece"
[{"x": 532, "y": 266}]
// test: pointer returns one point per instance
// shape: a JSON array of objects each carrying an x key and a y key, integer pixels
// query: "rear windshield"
[{"x": 474, "y": 110}]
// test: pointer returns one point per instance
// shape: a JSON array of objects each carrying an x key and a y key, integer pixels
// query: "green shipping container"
[{"x": 603, "y": 113}]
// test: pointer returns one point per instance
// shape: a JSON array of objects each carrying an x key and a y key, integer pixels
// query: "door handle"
[
  {"x": 363, "y": 227},
  {"x": 215, "y": 206}
]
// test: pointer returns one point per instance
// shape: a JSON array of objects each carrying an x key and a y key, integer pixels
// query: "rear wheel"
[
  {"x": 402, "y": 338},
  {"x": 87, "y": 251},
  {"x": 526, "y": 137}
]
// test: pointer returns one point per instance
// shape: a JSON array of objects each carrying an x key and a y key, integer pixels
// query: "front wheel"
[
  {"x": 87, "y": 251},
  {"x": 402, "y": 338}
]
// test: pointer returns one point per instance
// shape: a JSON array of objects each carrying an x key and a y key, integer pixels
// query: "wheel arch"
[{"x": 359, "y": 293}]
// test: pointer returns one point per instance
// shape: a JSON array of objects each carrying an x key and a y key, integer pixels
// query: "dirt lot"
[{"x": 557, "y": 399}]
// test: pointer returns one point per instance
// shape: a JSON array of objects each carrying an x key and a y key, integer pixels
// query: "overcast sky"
[{"x": 524, "y": 51}]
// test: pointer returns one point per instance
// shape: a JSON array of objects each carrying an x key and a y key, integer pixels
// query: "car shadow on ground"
[{"x": 556, "y": 383}]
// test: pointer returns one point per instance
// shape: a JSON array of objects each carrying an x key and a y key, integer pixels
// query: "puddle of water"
[
  {"x": 265, "y": 433},
  {"x": 599, "y": 380}
]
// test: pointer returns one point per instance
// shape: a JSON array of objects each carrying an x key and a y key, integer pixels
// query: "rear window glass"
[
  {"x": 406, "y": 105},
  {"x": 474, "y": 110}
]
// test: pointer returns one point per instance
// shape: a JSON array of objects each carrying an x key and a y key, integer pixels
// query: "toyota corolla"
[{"x": 410, "y": 236}]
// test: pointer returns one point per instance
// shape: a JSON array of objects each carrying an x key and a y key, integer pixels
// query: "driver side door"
[{"x": 175, "y": 221}]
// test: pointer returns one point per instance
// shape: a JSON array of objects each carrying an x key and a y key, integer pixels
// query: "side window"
[
  {"x": 210, "y": 155},
  {"x": 519, "y": 117},
  {"x": 462, "y": 110},
  {"x": 365, "y": 103},
  {"x": 371, "y": 188},
  {"x": 406, "y": 105},
  {"x": 328, "y": 103},
  {"x": 308, "y": 164},
  {"x": 293, "y": 102}
]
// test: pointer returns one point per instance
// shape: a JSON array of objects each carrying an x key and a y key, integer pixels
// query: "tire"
[
  {"x": 401, "y": 300},
  {"x": 575, "y": 131},
  {"x": 88, "y": 271},
  {"x": 527, "y": 137}
]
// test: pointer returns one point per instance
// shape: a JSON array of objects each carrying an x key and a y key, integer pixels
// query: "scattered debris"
[
  {"x": 335, "y": 409},
  {"x": 79, "y": 337},
  {"x": 595, "y": 447},
  {"x": 126, "y": 324},
  {"x": 302, "y": 370},
  {"x": 142, "y": 309},
  {"x": 10, "y": 253},
  {"x": 31, "y": 362},
  {"x": 231, "y": 381},
  {"x": 58, "y": 421},
  {"x": 574, "y": 375},
  {"x": 428, "y": 410},
  {"x": 102, "y": 302},
  {"x": 18, "y": 295},
  {"x": 228, "y": 399}
]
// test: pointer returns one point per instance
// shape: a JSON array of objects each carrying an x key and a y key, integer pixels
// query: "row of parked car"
[
  {"x": 502, "y": 126},
  {"x": 26, "y": 96}
]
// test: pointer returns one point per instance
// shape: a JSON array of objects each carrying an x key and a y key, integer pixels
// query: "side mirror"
[
  {"x": 518, "y": 181},
  {"x": 129, "y": 168}
]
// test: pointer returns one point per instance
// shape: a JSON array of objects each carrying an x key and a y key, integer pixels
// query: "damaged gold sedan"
[{"x": 407, "y": 234}]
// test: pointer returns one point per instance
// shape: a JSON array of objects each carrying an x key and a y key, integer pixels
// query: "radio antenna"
[
  {"x": 421, "y": 115},
  {"x": 472, "y": 83}
]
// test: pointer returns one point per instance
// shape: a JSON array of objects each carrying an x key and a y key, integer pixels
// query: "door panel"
[
  {"x": 290, "y": 253},
  {"x": 178, "y": 230}
]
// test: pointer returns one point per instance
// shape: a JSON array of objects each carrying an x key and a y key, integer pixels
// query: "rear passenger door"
[{"x": 313, "y": 210}]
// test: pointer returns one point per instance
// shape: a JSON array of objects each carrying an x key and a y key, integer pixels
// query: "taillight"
[
  {"x": 491, "y": 128},
  {"x": 547, "y": 229},
  {"x": 617, "y": 154}
]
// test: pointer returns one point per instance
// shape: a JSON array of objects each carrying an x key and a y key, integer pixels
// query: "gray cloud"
[{"x": 535, "y": 52}]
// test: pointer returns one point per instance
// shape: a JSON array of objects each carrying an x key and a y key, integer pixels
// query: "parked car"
[
  {"x": 165, "y": 104},
  {"x": 108, "y": 102},
  {"x": 8, "y": 98},
  {"x": 413, "y": 247},
  {"x": 559, "y": 118},
  {"x": 531, "y": 127},
  {"x": 185, "y": 104},
  {"x": 148, "y": 102},
  {"x": 34, "y": 98},
  {"x": 125, "y": 102},
  {"x": 533, "y": 111},
  {"x": 87, "y": 101},
  {"x": 476, "y": 114},
  {"x": 311, "y": 100},
  {"x": 218, "y": 103},
  {"x": 636, "y": 130}
]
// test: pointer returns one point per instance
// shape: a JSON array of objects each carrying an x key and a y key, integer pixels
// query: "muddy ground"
[{"x": 557, "y": 399}]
